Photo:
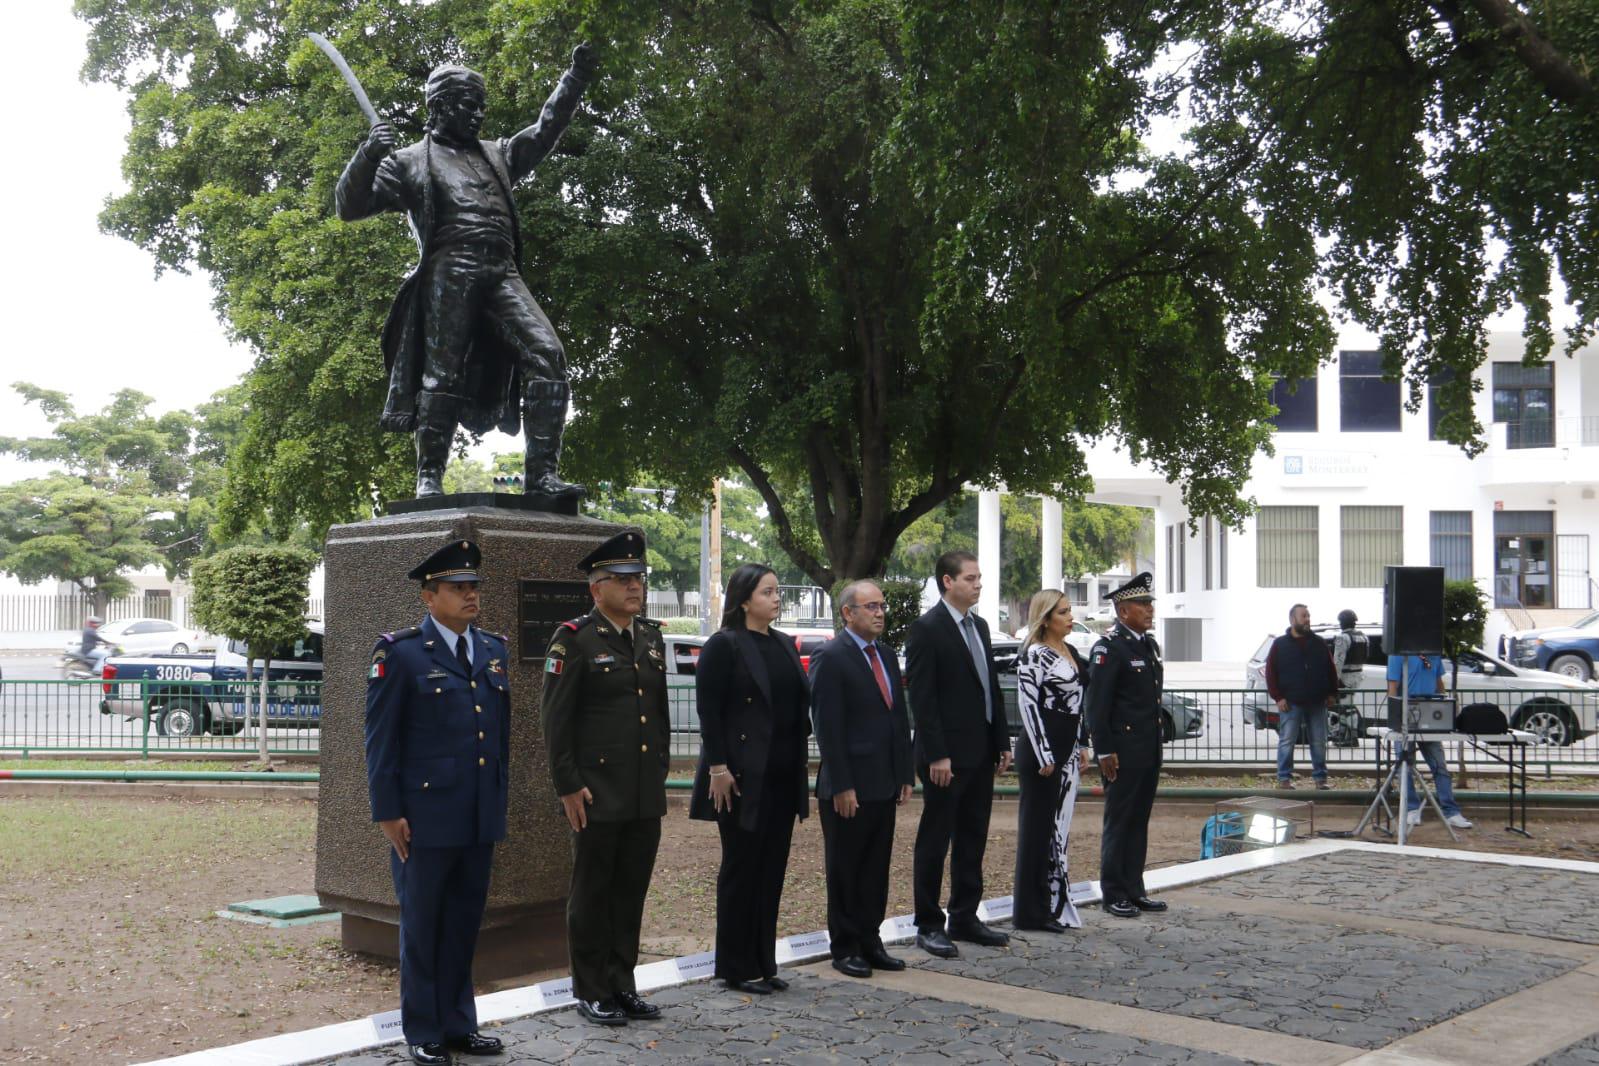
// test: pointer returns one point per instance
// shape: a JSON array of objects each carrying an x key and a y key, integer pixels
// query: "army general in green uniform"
[{"x": 607, "y": 732}]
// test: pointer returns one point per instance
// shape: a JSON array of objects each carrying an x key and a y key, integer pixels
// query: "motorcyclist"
[{"x": 94, "y": 648}]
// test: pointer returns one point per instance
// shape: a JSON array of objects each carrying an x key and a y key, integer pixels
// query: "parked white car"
[
  {"x": 1558, "y": 708},
  {"x": 148, "y": 636}
]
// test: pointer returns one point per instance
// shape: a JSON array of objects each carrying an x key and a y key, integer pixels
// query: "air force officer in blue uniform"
[{"x": 438, "y": 747}]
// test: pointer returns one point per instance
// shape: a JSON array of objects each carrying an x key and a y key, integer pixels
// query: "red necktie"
[{"x": 877, "y": 672}]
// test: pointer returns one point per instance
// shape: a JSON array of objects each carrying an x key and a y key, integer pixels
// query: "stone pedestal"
[{"x": 525, "y": 555}]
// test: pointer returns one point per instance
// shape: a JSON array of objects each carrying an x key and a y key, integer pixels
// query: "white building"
[{"x": 1358, "y": 483}]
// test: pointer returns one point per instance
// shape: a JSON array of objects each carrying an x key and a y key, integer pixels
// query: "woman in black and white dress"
[{"x": 1050, "y": 682}]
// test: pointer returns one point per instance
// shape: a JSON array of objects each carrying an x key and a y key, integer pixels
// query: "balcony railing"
[{"x": 1575, "y": 431}]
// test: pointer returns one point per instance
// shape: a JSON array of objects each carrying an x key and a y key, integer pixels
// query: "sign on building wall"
[{"x": 1327, "y": 469}]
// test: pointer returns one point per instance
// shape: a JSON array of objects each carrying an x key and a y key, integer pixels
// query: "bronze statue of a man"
[{"x": 465, "y": 341}]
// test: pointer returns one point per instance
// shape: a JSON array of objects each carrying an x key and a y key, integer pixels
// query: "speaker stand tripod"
[{"x": 1404, "y": 770}]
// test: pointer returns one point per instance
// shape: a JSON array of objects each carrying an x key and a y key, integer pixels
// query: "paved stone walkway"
[
  {"x": 815, "y": 1021},
  {"x": 1468, "y": 894},
  {"x": 1356, "y": 958},
  {"x": 1585, "y": 1053}
]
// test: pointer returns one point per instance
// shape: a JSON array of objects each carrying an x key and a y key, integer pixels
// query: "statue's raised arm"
[{"x": 528, "y": 148}]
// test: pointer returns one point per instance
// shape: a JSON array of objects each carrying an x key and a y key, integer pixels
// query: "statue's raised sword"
[{"x": 348, "y": 75}]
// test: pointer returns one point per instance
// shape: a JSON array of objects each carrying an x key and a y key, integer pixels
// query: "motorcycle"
[{"x": 76, "y": 666}]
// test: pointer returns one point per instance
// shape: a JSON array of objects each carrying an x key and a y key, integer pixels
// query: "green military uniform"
[{"x": 607, "y": 729}]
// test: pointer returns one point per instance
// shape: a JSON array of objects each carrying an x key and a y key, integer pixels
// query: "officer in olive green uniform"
[
  {"x": 607, "y": 731},
  {"x": 1125, "y": 675}
]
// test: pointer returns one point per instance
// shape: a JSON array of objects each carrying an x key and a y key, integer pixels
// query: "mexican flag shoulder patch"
[
  {"x": 376, "y": 671},
  {"x": 553, "y": 665}
]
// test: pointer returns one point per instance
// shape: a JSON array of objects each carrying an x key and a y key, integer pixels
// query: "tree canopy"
[{"x": 870, "y": 252}]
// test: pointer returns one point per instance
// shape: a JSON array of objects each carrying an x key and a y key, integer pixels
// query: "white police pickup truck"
[{"x": 185, "y": 695}]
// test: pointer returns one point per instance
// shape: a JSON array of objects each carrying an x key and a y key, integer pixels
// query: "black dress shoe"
[
  {"x": 1144, "y": 903},
  {"x": 637, "y": 1007},
  {"x": 601, "y": 1011},
  {"x": 754, "y": 988},
  {"x": 1048, "y": 925},
  {"x": 476, "y": 1044},
  {"x": 852, "y": 966},
  {"x": 936, "y": 942},
  {"x": 880, "y": 959},
  {"x": 430, "y": 1055},
  {"x": 776, "y": 983},
  {"x": 978, "y": 933},
  {"x": 1122, "y": 908}
]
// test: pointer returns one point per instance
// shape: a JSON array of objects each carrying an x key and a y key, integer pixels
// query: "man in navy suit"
[
  {"x": 438, "y": 752},
  {"x": 858, "y": 707},
  {"x": 961, "y": 738}
]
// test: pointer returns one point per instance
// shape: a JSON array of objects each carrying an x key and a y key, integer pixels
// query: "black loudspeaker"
[{"x": 1413, "y": 610}]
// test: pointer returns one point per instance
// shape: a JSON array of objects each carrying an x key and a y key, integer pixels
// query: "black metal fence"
[
  {"x": 1219, "y": 727},
  {"x": 156, "y": 717}
]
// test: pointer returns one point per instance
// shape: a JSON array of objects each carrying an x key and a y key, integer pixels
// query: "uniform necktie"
[
  {"x": 877, "y": 672},
  {"x": 980, "y": 662},
  {"x": 460, "y": 654}
]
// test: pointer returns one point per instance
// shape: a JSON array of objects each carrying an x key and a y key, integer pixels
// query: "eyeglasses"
[
  {"x": 623, "y": 579},
  {"x": 875, "y": 607}
]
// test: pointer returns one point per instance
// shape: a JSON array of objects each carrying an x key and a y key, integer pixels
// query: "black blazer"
[
  {"x": 946, "y": 696},
  {"x": 733, "y": 696},
  {"x": 866, "y": 746}
]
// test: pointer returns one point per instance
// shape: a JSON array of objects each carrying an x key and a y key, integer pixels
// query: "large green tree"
[
  {"x": 869, "y": 252},
  {"x": 113, "y": 502}
]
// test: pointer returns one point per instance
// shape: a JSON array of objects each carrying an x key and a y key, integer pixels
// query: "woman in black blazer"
[
  {"x": 753, "y": 702},
  {"x": 1051, "y": 681}
]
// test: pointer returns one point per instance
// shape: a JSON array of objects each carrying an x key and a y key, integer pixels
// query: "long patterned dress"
[{"x": 1049, "y": 690}]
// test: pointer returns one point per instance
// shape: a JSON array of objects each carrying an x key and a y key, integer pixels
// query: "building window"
[
  {"x": 1373, "y": 538},
  {"x": 1366, "y": 402},
  {"x": 1524, "y": 562},
  {"x": 1176, "y": 575},
  {"x": 1287, "y": 548},
  {"x": 1524, "y": 399},
  {"x": 1296, "y": 405},
  {"x": 1077, "y": 592},
  {"x": 1182, "y": 557},
  {"x": 1221, "y": 555},
  {"x": 1451, "y": 544},
  {"x": 1171, "y": 560},
  {"x": 1434, "y": 383},
  {"x": 1210, "y": 547}
]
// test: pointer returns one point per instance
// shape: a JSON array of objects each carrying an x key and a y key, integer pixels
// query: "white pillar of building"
[
  {"x": 988, "y": 532},
  {"x": 1050, "y": 543}
]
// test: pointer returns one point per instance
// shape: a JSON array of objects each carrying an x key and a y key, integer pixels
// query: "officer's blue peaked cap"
[
  {"x": 456, "y": 561},
  {"x": 622, "y": 554}
]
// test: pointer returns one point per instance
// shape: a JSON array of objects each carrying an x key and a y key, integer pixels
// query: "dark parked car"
[{"x": 1570, "y": 649}]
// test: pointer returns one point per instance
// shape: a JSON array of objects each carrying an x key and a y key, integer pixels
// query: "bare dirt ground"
[{"x": 110, "y": 951}]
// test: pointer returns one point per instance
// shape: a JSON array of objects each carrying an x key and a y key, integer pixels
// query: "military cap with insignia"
[
  {"x": 456, "y": 561},
  {"x": 1139, "y": 589},
  {"x": 622, "y": 554}
]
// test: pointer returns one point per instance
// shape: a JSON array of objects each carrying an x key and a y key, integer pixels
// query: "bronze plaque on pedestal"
[{"x": 543, "y": 605}]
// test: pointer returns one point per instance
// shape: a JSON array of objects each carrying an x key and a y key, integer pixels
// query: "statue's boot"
[
  {"x": 544, "y": 405},
  {"x": 435, "y": 432}
]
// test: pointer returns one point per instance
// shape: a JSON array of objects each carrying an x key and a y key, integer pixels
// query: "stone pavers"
[
  {"x": 1585, "y": 1053},
  {"x": 1474, "y": 895},
  {"x": 815, "y": 1021},
  {"x": 1363, "y": 958},
  {"x": 1352, "y": 987}
]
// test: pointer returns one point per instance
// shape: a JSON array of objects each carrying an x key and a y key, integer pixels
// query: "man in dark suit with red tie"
[
  {"x": 961, "y": 738},
  {"x": 863, "y": 731}
]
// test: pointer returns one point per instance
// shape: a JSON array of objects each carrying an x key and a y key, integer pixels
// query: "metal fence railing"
[
  {"x": 155, "y": 717},
  {"x": 1223, "y": 727}
]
